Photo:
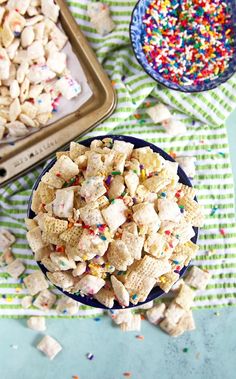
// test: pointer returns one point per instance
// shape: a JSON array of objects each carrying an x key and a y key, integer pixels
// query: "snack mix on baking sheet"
[
  {"x": 113, "y": 222},
  {"x": 33, "y": 67}
]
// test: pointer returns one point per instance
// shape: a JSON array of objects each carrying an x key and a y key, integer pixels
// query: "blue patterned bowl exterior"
[
  {"x": 156, "y": 292},
  {"x": 136, "y": 32}
]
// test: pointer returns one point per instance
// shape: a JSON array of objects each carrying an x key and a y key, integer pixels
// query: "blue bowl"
[
  {"x": 136, "y": 31},
  {"x": 157, "y": 291}
]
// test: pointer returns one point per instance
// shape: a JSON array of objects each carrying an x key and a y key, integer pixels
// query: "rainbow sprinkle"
[{"x": 188, "y": 41}]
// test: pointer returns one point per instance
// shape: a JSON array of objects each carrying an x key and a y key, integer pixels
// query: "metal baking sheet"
[{"x": 19, "y": 157}]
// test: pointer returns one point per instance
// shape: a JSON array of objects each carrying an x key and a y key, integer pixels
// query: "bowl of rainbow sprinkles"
[{"x": 185, "y": 45}]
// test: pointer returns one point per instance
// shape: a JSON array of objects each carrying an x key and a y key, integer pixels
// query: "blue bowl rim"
[
  {"x": 163, "y": 84},
  {"x": 156, "y": 292}
]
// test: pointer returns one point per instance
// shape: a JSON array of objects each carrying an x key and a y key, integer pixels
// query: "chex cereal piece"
[
  {"x": 67, "y": 306},
  {"x": 49, "y": 264},
  {"x": 168, "y": 327},
  {"x": 65, "y": 168},
  {"x": 36, "y": 203},
  {"x": 66, "y": 85},
  {"x": 185, "y": 324},
  {"x": 35, "y": 240},
  {"x": 42, "y": 253},
  {"x": 121, "y": 316},
  {"x": 89, "y": 285},
  {"x": 63, "y": 203},
  {"x": 119, "y": 255},
  {"x": 6, "y": 239},
  {"x": 92, "y": 188},
  {"x": 141, "y": 293},
  {"x": 174, "y": 312},
  {"x": 176, "y": 287},
  {"x": 185, "y": 297},
  {"x": 26, "y": 302},
  {"x": 62, "y": 261},
  {"x": 116, "y": 187},
  {"x": 52, "y": 180},
  {"x": 146, "y": 306},
  {"x": 156, "y": 313},
  {"x": 49, "y": 346},
  {"x": 122, "y": 295},
  {"x": 197, "y": 278},
  {"x": 193, "y": 211},
  {"x": 145, "y": 214},
  {"x": 37, "y": 323},
  {"x": 54, "y": 225},
  {"x": 134, "y": 243},
  {"x": 61, "y": 279},
  {"x": 105, "y": 297},
  {"x": 159, "y": 113},
  {"x": 52, "y": 238},
  {"x": 188, "y": 249},
  {"x": 100, "y": 18},
  {"x": 76, "y": 149},
  {"x": 123, "y": 147},
  {"x": 133, "y": 325},
  {"x": 6, "y": 257},
  {"x": 167, "y": 280},
  {"x": 184, "y": 231},
  {"x": 30, "y": 224},
  {"x": 15, "y": 268},
  {"x": 174, "y": 127},
  {"x": 35, "y": 282},
  {"x": 156, "y": 183},
  {"x": 168, "y": 210},
  {"x": 130, "y": 227},
  {"x": 132, "y": 182},
  {"x": 72, "y": 235},
  {"x": 116, "y": 214},
  {"x": 91, "y": 244},
  {"x": 154, "y": 245},
  {"x": 45, "y": 300},
  {"x": 184, "y": 190},
  {"x": 147, "y": 267},
  {"x": 188, "y": 164},
  {"x": 80, "y": 269},
  {"x": 91, "y": 215}
]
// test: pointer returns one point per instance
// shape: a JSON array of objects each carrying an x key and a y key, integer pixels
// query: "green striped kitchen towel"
[{"x": 204, "y": 115}]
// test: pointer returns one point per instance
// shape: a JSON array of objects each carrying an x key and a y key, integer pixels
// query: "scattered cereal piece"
[
  {"x": 6, "y": 239},
  {"x": 197, "y": 278},
  {"x": 134, "y": 324},
  {"x": 159, "y": 113},
  {"x": 35, "y": 282},
  {"x": 188, "y": 164},
  {"x": 26, "y": 302},
  {"x": 36, "y": 323},
  {"x": 156, "y": 314},
  {"x": 49, "y": 346},
  {"x": 174, "y": 127},
  {"x": 45, "y": 300},
  {"x": 15, "y": 268},
  {"x": 67, "y": 306}
]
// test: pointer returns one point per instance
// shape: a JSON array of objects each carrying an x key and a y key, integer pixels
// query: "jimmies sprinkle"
[{"x": 188, "y": 41}]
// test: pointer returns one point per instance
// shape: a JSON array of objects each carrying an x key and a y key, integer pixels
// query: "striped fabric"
[{"x": 204, "y": 115}]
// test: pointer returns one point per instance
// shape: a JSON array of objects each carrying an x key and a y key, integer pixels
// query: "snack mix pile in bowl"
[{"x": 113, "y": 222}]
